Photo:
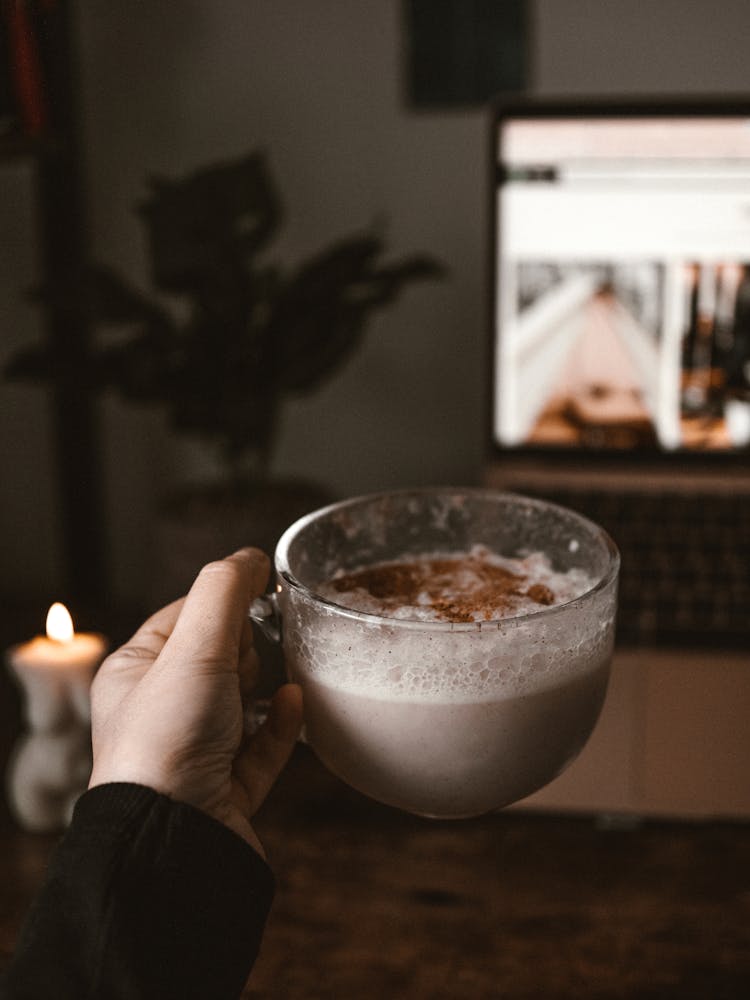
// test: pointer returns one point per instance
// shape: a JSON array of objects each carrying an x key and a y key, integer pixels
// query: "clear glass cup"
[{"x": 439, "y": 718}]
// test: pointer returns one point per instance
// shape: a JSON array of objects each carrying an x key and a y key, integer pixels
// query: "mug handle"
[{"x": 266, "y": 614}]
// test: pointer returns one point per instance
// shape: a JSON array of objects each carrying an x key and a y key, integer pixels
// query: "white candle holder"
[{"x": 50, "y": 765}]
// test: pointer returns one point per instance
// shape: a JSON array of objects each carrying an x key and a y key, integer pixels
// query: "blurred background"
[
  {"x": 323, "y": 89},
  {"x": 372, "y": 121}
]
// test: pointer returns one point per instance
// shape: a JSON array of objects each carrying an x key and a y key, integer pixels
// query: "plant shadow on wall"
[{"x": 239, "y": 337}]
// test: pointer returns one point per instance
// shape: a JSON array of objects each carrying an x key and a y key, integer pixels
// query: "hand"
[{"x": 167, "y": 707}]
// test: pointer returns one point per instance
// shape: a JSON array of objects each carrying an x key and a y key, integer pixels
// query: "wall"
[{"x": 167, "y": 87}]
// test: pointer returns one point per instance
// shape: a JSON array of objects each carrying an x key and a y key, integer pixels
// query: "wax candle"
[
  {"x": 50, "y": 764},
  {"x": 62, "y": 649}
]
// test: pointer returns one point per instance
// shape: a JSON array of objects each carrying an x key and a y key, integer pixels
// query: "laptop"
[{"x": 620, "y": 343}]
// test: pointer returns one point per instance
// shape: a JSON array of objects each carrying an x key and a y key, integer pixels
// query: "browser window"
[{"x": 622, "y": 272}]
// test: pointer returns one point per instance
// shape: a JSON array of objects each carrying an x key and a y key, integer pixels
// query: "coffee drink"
[{"x": 454, "y": 680}]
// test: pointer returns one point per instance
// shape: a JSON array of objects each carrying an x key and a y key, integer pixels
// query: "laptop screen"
[{"x": 621, "y": 318}]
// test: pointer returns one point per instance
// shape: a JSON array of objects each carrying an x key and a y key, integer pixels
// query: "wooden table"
[{"x": 373, "y": 903}]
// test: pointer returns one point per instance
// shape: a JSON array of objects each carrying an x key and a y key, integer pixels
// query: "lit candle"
[
  {"x": 61, "y": 650},
  {"x": 50, "y": 765}
]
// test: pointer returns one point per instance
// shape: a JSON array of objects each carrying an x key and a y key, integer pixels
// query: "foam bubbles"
[
  {"x": 442, "y": 664},
  {"x": 416, "y": 657}
]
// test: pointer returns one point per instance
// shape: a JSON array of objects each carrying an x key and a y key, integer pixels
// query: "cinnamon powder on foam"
[{"x": 464, "y": 589}]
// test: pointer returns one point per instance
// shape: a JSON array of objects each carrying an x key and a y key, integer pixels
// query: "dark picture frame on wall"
[{"x": 461, "y": 53}]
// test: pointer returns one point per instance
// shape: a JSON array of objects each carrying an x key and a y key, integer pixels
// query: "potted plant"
[{"x": 226, "y": 339}]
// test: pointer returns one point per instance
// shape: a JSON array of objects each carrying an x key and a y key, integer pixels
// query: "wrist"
[{"x": 221, "y": 810}]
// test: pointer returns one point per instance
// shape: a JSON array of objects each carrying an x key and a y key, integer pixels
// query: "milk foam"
[
  {"x": 437, "y": 661},
  {"x": 462, "y": 578},
  {"x": 456, "y": 667}
]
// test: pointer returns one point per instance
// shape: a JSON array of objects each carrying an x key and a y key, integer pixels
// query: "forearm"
[{"x": 145, "y": 897}]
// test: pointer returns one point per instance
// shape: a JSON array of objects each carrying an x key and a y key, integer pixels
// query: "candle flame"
[{"x": 59, "y": 623}]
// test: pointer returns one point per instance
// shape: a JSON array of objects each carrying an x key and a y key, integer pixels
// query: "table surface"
[{"x": 374, "y": 903}]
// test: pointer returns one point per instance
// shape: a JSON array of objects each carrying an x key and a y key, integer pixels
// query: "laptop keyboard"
[{"x": 685, "y": 574}]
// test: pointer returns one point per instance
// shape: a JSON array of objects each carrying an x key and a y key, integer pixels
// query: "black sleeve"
[{"x": 145, "y": 897}]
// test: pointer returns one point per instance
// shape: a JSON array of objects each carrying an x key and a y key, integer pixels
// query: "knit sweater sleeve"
[{"x": 145, "y": 897}]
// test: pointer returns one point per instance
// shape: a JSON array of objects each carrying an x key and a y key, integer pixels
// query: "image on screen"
[{"x": 623, "y": 284}]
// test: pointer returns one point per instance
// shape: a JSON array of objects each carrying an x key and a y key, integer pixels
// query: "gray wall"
[{"x": 169, "y": 86}]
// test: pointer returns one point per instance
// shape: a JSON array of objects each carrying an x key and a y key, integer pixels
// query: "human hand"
[{"x": 167, "y": 707}]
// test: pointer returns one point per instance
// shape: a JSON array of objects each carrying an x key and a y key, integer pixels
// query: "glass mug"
[{"x": 443, "y": 719}]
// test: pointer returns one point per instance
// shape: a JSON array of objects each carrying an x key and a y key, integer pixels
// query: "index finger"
[{"x": 209, "y": 626}]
